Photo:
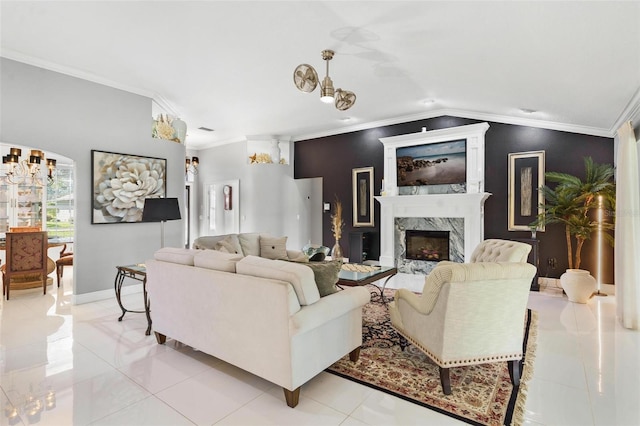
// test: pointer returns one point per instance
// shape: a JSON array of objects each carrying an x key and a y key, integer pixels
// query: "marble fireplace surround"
[{"x": 469, "y": 206}]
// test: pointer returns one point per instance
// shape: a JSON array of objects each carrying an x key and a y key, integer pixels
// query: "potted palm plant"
[{"x": 571, "y": 202}]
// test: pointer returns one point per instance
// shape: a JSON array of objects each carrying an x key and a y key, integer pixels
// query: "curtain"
[{"x": 627, "y": 233}]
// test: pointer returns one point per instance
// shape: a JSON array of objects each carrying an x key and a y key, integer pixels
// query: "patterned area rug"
[{"x": 482, "y": 394}]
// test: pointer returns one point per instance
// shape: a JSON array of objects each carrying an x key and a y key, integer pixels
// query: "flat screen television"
[{"x": 437, "y": 163}]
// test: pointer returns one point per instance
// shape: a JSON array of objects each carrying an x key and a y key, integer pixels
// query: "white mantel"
[{"x": 470, "y": 207}]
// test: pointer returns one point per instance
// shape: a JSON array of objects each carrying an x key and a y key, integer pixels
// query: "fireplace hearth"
[{"x": 427, "y": 245}]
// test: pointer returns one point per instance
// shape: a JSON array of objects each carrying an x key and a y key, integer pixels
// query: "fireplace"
[
  {"x": 458, "y": 210},
  {"x": 427, "y": 245}
]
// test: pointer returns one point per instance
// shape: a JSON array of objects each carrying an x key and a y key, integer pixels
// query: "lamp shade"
[{"x": 160, "y": 209}]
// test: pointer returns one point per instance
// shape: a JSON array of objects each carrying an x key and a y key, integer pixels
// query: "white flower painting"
[{"x": 121, "y": 182}]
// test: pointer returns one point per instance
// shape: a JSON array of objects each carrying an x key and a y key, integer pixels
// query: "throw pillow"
[
  {"x": 273, "y": 248},
  {"x": 326, "y": 274},
  {"x": 220, "y": 247},
  {"x": 250, "y": 243},
  {"x": 230, "y": 244}
]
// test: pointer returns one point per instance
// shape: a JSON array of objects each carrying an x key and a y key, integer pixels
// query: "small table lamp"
[{"x": 161, "y": 210}]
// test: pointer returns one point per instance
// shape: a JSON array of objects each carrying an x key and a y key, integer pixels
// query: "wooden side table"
[{"x": 136, "y": 272}]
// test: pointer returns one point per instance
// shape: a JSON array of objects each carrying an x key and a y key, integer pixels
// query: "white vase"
[
  {"x": 578, "y": 284},
  {"x": 275, "y": 152}
]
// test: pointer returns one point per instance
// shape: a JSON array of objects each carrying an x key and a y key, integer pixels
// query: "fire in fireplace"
[{"x": 427, "y": 245}]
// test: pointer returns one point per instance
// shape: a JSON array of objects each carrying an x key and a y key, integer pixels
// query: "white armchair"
[
  {"x": 471, "y": 313},
  {"x": 494, "y": 250}
]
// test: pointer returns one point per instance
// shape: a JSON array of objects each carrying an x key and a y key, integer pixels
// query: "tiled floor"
[{"x": 104, "y": 372}]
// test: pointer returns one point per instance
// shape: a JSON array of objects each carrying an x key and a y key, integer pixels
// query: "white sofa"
[
  {"x": 264, "y": 316},
  {"x": 250, "y": 244}
]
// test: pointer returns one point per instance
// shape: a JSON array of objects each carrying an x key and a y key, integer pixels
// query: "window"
[{"x": 60, "y": 203}]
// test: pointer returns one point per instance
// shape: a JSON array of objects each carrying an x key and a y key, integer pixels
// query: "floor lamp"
[{"x": 161, "y": 210}]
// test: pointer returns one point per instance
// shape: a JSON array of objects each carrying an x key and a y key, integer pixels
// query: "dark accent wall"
[{"x": 333, "y": 158}]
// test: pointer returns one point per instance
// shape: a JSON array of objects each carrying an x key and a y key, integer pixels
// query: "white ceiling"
[{"x": 229, "y": 65}]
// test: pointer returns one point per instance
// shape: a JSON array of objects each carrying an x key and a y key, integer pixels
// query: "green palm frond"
[{"x": 572, "y": 199}]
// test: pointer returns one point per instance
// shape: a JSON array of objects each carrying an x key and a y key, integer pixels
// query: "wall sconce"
[{"x": 191, "y": 165}]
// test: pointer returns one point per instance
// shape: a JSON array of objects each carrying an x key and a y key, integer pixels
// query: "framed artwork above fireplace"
[{"x": 442, "y": 161}]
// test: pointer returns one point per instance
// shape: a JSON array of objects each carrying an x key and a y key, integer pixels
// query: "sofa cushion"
[
  {"x": 326, "y": 276},
  {"x": 214, "y": 259},
  {"x": 273, "y": 248},
  {"x": 182, "y": 256},
  {"x": 250, "y": 243},
  {"x": 298, "y": 275},
  {"x": 230, "y": 244}
]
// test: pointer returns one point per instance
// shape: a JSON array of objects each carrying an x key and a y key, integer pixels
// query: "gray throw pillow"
[
  {"x": 273, "y": 248},
  {"x": 326, "y": 275}
]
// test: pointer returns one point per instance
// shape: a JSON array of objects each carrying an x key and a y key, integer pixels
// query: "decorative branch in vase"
[{"x": 336, "y": 227}]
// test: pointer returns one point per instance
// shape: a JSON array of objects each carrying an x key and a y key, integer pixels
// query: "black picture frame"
[
  {"x": 362, "y": 187},
  {"x": 526, "y": 176},
  {"x": 121, "y": 183}
]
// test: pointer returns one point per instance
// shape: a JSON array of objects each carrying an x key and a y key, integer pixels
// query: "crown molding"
[
  {"x": 73, "y": 72},
  {"x": 631, "y": 110},
  {"x": 629, "y": 113},
  {"x": 475, "y": 115}
]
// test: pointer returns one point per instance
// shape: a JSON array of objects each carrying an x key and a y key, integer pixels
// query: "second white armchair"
[{"x": 470, "y": 313}]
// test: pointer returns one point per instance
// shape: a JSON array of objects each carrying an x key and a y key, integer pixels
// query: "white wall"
[
  {"x": 70, "y": 116},
  {"x": 271, "y": 201}
]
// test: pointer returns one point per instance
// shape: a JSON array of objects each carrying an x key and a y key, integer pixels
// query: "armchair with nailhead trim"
[{"x": 470, "y": 313}]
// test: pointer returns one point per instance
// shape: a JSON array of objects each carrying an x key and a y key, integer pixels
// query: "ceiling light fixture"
[
  {"x": 305, "y": 79},
  {"x": 27, "y": 172}
]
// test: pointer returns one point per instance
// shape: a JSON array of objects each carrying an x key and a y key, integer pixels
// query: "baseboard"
[{"x": 79, "y": 299}]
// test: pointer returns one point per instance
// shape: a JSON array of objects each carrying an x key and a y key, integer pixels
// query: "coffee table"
[{"x": 354, "y": 278}]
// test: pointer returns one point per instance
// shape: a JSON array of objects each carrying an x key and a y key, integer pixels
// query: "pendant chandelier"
[
  {"x": 305, "y": 79},
  {"x": 22, "y": 171}
]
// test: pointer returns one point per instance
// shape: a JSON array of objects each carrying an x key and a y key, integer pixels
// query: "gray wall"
[
  {"x": 271, "y": 201},
  {"x": 70, "y": 116}
]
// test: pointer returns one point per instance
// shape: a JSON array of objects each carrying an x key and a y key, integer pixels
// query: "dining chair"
[
  {"x": 26, "y": 255},
  {"x": 25, "y": 228},
  {"x": 66, "y": 260}
]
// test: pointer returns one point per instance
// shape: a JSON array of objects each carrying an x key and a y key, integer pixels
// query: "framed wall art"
[
  {"x": 121, "y": 182},
  {"x": 362, "y": 196},
  {"x": 437, "y": 163},
  {"x": 526, "y": 176}
]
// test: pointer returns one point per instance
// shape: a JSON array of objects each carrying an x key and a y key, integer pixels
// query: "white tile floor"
[{"x": 105, "y": 372}]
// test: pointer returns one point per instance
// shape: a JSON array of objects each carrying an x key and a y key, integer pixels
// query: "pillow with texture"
[
  {"x": 221, "y": 248},
  {"x": 273, "y": 248},
  {"x": 326, "y": 274},
  {"x": 231, "y": 244},
  {"x": 250, "y": 243}
]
